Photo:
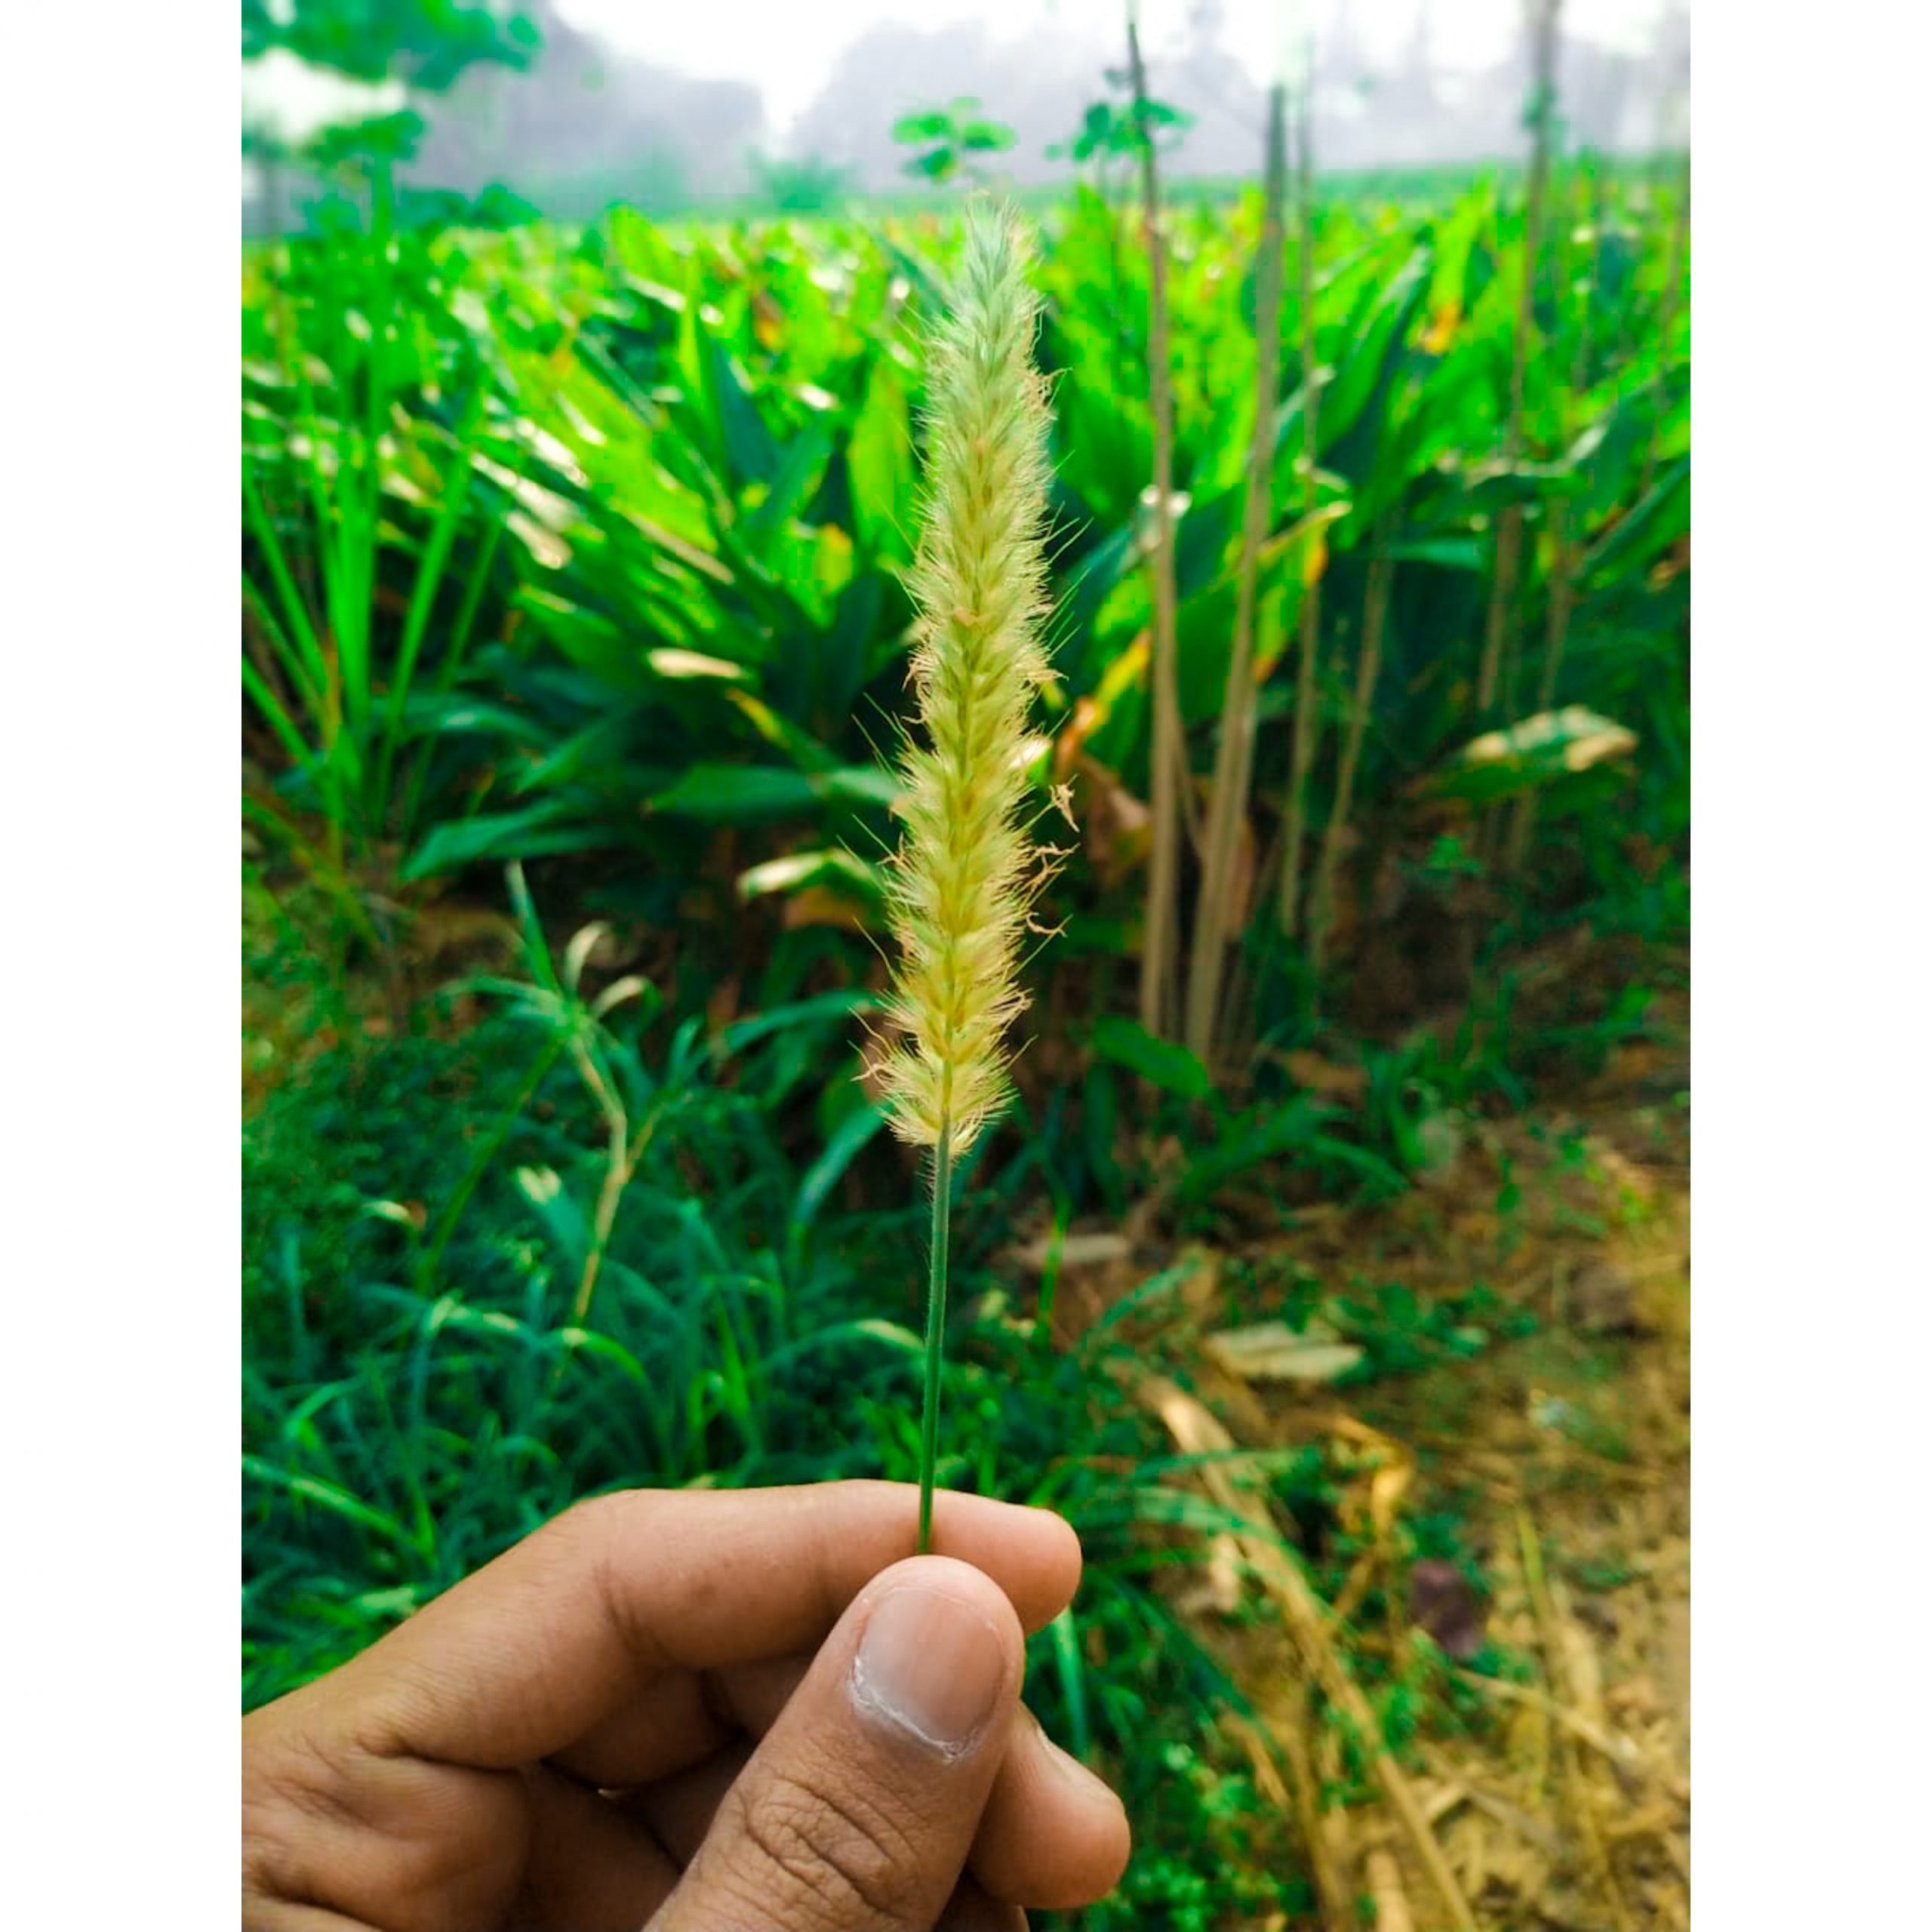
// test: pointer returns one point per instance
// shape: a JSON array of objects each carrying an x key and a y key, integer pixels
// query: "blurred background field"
[{"x": 1330, "y": 1272}]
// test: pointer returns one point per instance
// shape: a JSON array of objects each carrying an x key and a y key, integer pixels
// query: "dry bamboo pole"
[
  {"x": 1374, "y": 618},
  {"x": 1302, "y": 753},
  {"x": 1234, "y": 756},
  {"x": 1562, "y": 590},
  {"x": 1499, "y": 634},
  {"x": 1159, "y": 948}
]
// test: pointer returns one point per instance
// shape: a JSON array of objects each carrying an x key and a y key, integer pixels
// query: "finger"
[
  {"x": 329, "y": 1819},
  {"x": 682, "y": 1720},
  {"x": 277, "y": 1915},
  {"x": 1053, "y": 1835},
  {"x": 678, "y": 1811},
  {"x": 861, "y": 1805},
  {"x": 591, "y": 1869},
  {"x": 972, "y": 1908},
  {"x": 523, "y": 1659}
]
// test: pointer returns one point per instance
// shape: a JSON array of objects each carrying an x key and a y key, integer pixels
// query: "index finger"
[{"x": 520, "y": 1660}]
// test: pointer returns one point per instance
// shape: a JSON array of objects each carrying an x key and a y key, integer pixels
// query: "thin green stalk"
[
  {"x": 1673, "y": 295},
  {"x": 307, "y": 660},
  {"x": 422, "y": 597},
  {"x": 1375, "y": 616},
  {"x": 1307, "y": 684},
  {"x": 264, "y": 645},
  {"x": 271, "y": 707},
  {"x": 300, "y": 629},
  {"x": 429, "y": 1258},
  {"x": 454, "y": 650},
  {"x": 356, "y": 641},
  {"x": 1556, "y": 634},
  {"x": 936, "y": 1283}
]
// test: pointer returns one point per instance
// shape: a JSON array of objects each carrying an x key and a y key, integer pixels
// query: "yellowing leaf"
[
  {"x": 1128, "y": 672},
  {"x": 1314, "y": 560},
  {"x": 1441, "y": 330}
]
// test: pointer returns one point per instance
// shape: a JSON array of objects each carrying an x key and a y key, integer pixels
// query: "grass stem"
[
  {"x": 1375, "y": 617},
  {"x": 935, "y": 1327}
]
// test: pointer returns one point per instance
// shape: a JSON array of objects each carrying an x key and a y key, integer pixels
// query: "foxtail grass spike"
[{"x": 961, "y": 886}]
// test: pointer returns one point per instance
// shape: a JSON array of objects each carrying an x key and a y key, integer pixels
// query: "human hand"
[{"x": 702, "y": 1711}]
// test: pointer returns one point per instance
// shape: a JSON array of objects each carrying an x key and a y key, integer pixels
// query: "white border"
[{"x": 119, "y": 338}]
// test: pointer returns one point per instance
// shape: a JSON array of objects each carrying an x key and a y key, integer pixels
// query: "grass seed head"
[{"x": 961, "y": 887}]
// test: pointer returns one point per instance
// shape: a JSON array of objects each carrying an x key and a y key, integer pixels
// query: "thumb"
[{"x": 858, "y": 1809}]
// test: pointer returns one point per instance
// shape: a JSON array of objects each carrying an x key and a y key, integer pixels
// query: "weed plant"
[{"x": 417, "y": 1396}]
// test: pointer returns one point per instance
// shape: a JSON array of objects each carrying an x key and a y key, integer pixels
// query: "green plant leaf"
[
  {"x": 833, "y": 870},
  {"x": 1538, "y": 751},
  {"x": 1163, "y": 1063},
  {"x": 878, "y": 460},
  {"x": 744, "y": 794},
  {"x": 928, "y": 126},
  {"x": 552, "y": 827},
  {"x": 849, "y": 1138}
]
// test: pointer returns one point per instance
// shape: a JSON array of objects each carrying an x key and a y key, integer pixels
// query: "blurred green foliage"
[
  {"x": 607, "y": 529},
  {"x": 580, "y": 549},
  {"x": 427, "y": 44}
]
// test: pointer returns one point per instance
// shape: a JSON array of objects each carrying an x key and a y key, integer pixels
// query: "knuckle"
[
  {"x": 843, "y": 1855},
  {"x": 296, "y": 1795},
  {"x": 591, "y": 1520},
  {"x": 271, "y": 1854}
]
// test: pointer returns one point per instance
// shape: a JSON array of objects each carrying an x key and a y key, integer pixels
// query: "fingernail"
[{"x": 930, "y": 1665}]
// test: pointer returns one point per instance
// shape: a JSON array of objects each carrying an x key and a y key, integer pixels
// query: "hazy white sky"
[{"x": 786, "y": 49}]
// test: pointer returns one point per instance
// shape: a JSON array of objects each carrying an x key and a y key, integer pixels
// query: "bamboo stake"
[
  {"x": 1561, "y": 589},
  {"x": 1499, "y": 633},
  {"x": 1562, "y": 586},
  {"x": 1304, "y": 734},
  {"x": 1375, "y": 615},
  {"x": 1234, "y": 758},
  {"x": 1160, "y": 947}
]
